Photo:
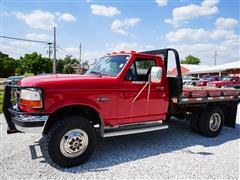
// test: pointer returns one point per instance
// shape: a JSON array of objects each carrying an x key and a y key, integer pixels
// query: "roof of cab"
[{"x": 133, "y": 53}]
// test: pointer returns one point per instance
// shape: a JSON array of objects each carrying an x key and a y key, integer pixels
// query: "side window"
[{"x": 140, "y": 70}]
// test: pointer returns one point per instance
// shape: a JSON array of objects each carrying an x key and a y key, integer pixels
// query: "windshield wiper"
[{"x": 96, "y": 72}]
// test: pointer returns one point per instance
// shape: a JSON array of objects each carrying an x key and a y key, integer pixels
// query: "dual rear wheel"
[{"x": 208, "y": 121}]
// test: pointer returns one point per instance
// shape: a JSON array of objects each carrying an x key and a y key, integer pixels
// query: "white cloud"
[
  {"x": 162, "y": 2},
  {"x": 192, "y": 11},
  {"x": 39, "y": 37},
  {"x": 40, "y": 19},
  {"x": 128, "y": 46},
  {"x": 200, "y": 35},
  {"x": 149, "y": 47},
  {"x": 104, "y": 11},
  {"x": 86, "y": 55},
  {"x": 226, "y": 23},
  {"x": 223, "y": 31},
  {"x": 67, "y": 17},
  {"x": 210, "y": 2},
  {"x": 205, "y": 51},
  {"x": 121, "y": 26},
  {"x": 188, "y": 34},
  {"x": 5, "y": 13},
  {"x": 19, "y": 48}
]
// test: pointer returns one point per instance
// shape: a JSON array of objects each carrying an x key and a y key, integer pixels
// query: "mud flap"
[{"x": 230, "y": 113}]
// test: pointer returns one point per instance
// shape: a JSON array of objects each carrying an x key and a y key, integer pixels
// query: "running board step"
[{"x": 133, "y": 129}]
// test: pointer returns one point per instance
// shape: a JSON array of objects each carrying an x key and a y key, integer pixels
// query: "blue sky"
[{"x": 192, "y": 27}]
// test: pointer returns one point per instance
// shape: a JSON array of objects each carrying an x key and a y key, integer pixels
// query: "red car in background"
[
  {"x": 204, "y": 81},
  {"x": 225, "y": 81}
]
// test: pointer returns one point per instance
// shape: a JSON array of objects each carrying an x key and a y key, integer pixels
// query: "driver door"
[{"x": 134, "y": 104}]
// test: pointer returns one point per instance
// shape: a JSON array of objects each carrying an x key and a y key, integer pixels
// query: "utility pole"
[
  {"x": 54, "y": 51},
  {"x": 215, "y": 58},
  {"x": 80, "y": 54}
]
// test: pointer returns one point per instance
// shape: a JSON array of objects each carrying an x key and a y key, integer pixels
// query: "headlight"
[{"x": 31, "y": 98}]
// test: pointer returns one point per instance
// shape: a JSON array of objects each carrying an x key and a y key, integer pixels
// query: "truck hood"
[{"x": 68, "y": 81}]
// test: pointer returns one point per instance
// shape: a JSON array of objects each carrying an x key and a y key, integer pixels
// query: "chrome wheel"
[
  {"x": 215, "y": 122},
  {"x": 74, "y": 143}
]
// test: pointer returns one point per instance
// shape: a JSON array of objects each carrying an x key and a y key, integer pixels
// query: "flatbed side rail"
[{"x": 197, "y": 100}]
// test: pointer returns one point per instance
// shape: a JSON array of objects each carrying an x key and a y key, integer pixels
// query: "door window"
[{"x": 140, "y": 70}]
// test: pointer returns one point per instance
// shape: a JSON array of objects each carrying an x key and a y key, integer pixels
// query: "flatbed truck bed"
[{"x": 207, "y": 94}]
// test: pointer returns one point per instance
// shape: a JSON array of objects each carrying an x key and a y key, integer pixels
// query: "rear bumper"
[{"x": 19, "y": 121}]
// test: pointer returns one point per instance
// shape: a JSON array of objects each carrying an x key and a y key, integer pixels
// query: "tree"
[
  {"x": 7, "y": 66},
  {"x": 66, "y": 65},
  {"x": 34, "y": 63},
  {"x": 190, "y": 60}
]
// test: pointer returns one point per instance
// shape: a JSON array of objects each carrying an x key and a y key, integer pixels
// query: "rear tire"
[
  {"x": 211, "y": 121},
  {"x": 70, "y": 141}
]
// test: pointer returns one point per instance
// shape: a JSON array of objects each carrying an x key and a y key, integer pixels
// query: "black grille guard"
[{"x": 8, "y": 110}]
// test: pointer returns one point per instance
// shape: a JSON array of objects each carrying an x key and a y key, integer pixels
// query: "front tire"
[
  {"x": 70, "y": 141},
  {"x": 211, "y": 121}
]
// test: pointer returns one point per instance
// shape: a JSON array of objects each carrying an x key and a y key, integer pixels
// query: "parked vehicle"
[
  {"x": 13, "y": 80},
  {"x": 123, "y": 93},
  {"x": 236, "y": 86},
  {"x": 234, "y": 80},
  {"x": 186, "y": 79},
  {"x": 192, "y": 81},
  {"x": 204, "y": 81}
]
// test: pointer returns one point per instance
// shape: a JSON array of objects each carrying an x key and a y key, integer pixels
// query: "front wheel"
[
  {"x": 70, "y": 141},
  {"x": 211, "y": 121}
]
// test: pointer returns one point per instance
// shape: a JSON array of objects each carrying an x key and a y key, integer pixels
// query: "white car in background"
[{"x": 190, "y": 81}]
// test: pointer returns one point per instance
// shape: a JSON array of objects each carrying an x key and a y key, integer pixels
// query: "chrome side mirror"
[{"x": 156, "y": 74}]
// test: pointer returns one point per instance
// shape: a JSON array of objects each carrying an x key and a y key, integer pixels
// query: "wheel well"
[{"x": 78, "y": 110}]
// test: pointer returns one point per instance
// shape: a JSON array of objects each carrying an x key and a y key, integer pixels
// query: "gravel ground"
[{"x": 172, "y": 153}]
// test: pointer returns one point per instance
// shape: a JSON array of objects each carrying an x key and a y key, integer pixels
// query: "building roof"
[
  {"x": 185, "y": 68},
  {"x": 192, "y": 67},
  {"x": 217, "y": 68},
  {"x": 2, "y": 55}
]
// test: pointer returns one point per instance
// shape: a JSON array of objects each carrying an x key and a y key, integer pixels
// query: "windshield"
[
  {"x": 226, "y": 79},
  {"x": 109, "y": 65}
]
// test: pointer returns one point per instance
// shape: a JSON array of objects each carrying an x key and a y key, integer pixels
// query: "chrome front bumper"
[{"x": 30, "y": 124}]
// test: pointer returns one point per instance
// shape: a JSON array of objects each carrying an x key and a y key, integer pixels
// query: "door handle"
[{"x": 160, "y": 88}]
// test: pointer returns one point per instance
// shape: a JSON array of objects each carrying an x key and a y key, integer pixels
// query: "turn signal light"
[{"x": 31, "y": 103}]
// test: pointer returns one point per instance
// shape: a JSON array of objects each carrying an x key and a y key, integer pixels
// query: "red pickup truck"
[
  {"x": 123, "y": 93},
  {"x": 229, "y": 80},
  {"x": 203, "y": 82}
]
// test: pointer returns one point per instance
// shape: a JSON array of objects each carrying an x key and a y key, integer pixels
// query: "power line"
[
  {"x": 23, "y": 39},
  {"x": 64, "y": 50}
]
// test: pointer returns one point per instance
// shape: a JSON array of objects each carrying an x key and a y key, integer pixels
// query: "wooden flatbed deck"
[{"x": 208, "y": 94}]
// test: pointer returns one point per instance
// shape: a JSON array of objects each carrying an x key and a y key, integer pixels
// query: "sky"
[{"x": 199, "y": 28}]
